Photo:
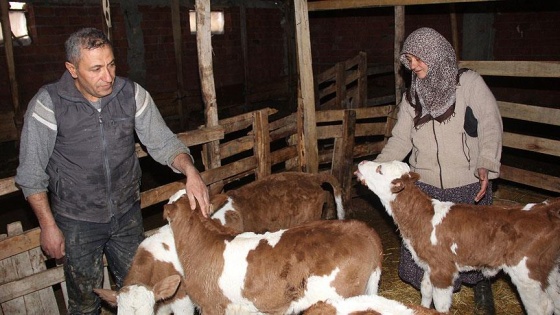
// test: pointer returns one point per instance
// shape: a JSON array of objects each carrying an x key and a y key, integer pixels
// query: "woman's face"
[{"x": 417, "y": 65}]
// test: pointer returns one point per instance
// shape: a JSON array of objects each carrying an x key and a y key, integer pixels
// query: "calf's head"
[
  {"x": 139, "y": 299},
  {"x": 384, "y": 179}
]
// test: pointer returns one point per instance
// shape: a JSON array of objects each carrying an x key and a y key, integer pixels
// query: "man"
[{"x": 78, "y": 144}]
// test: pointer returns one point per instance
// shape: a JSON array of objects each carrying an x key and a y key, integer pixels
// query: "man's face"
[{"x": 94, "y": 73}]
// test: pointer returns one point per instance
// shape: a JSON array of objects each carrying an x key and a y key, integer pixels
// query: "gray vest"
[{"x": 94, "y": 171}]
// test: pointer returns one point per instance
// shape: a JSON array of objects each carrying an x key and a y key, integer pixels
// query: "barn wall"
[
  {"x": 42, "y": 62},
  {"x": 524, "y": 31}
]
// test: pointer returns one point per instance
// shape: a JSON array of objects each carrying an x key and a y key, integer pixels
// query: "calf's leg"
[{"x": 427, "y": 291}]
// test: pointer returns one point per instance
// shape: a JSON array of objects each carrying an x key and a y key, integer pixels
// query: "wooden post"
[
  {"x": 261, "y": 149},
  {"x": 177, "y": 43},
  {"x": 399, "y": 82},
  {"x": 205, "y": 68},
  {"x": 307, "y": 129},
  {"x": 244, "y": 51},
  {"x": 340, "y": 80},
  {"x": 362, "y": 81},
  {"x": 107, "y": 25},
  {"x": 9, "y": 49},
  {"x": 454, "y": 30},
  {"x": 343, "y": 156}
]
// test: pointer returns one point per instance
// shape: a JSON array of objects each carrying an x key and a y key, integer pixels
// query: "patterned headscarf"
[{"x": 436, "y": 92}]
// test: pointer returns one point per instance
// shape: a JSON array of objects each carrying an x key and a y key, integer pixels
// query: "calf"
[
  {"x": 446, "y": 238},
  {"x": 367, "y": 305},
  {"x": 281, "y": 272},
  {"x": 153, "y": 284},
  {"x": 276, "y": 202}
]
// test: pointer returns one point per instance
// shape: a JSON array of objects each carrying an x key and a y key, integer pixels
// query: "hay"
[{"x": 366, "y": 207}]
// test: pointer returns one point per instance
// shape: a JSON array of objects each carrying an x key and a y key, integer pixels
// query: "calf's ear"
[
  {"x": 169, "y": 211},
  {"x": 414, "y": 176},
  {"x": 108, "y": 296},
  {"x": 167, "y": 287},
  {"x": 397, "y": 185},
  {"x": 217, "y": 201}
]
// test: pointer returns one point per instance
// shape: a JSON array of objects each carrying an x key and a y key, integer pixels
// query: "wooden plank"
[
  {"x": 9, "y": 54},
  {"x": 26, "y": 285},
  {"x": 343, "y": 156},
  {"x": 370, "y": 129},
  {"x": 7, "y": 186},
  {"x": 178, "y": 48},
  {"x": 324, "y": 116},
  {"x": 18, "y": 244},
  {"x": 368, "y": 149},
  {"x": 283, "y": 155},
  {"x": 159, "y": 194},
  {"x": 217, "y": 174},
  {"x": 306, "y": 103},
  {"x": 356, "y": 4},
  {"x": 362, "y": 80},
  {"x": 538, "y": 114},
  {"x": 261, "y": 149},
  {"x": 236, "y": 146},
  {"x": 529, "y": 178},
  {"x": 530, "y": 143},
  {"x": 340, "y": 97},
  {"x": 202, "y": 135},
  {"x": 16, "y": 267},
  {"x": 397, "y": 67},
  {"x": 46, "y": 295},
  {"x": 543, "y": 69}
]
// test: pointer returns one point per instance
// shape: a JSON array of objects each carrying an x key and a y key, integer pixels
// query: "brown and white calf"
[
  {"x": 281, "y": 272},
  {"x": 278, "y": 201},
  {"x": 446, "y": 238},
  {"x": 153, "y": 284},
  {"x": 367, "y": 305}
]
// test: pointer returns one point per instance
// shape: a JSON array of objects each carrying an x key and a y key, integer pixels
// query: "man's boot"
[{"x": 483, "y": 298}]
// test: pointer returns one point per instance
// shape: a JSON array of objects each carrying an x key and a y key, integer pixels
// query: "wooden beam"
[
  {"x": 211, "y": 152},
  {"x": 542, "y": 69},
  {"x": 357, "y": 4},
  {"x": 31, "y": 283},
  {"x": 532, "y": 144},
  {"x": 306, "y": 102},
  {"x": 538, "y": 114},
  {"x": 529, "y": 178},
  {"x": 9, "y": 50},
  {"x": 343, "y": 156},
  {"x": 178, "y": 47}
]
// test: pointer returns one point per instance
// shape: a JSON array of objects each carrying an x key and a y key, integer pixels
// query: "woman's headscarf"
[{"x": 435, "y": 92}]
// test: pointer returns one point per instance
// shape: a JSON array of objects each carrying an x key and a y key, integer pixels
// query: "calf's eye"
[{"x": 378, "y": 170}]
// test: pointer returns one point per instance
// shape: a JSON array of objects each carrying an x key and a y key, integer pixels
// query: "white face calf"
[
  {"x": 378, "y": 178},
  {"x": 153, "y": 283}
]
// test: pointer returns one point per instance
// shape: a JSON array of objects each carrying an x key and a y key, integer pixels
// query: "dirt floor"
[{"x": 366, "y": 207}]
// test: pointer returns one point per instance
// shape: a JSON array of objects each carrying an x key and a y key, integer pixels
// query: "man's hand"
[
  {"x": 52, "y": 241},
  {"x": 483, "y": 178},
  {"x": 196, "y": 189},
  {"x": 195, "y": 186}
]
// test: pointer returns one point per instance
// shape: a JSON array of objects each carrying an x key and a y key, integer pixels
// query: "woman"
[{"x": 449, "y": 123}]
